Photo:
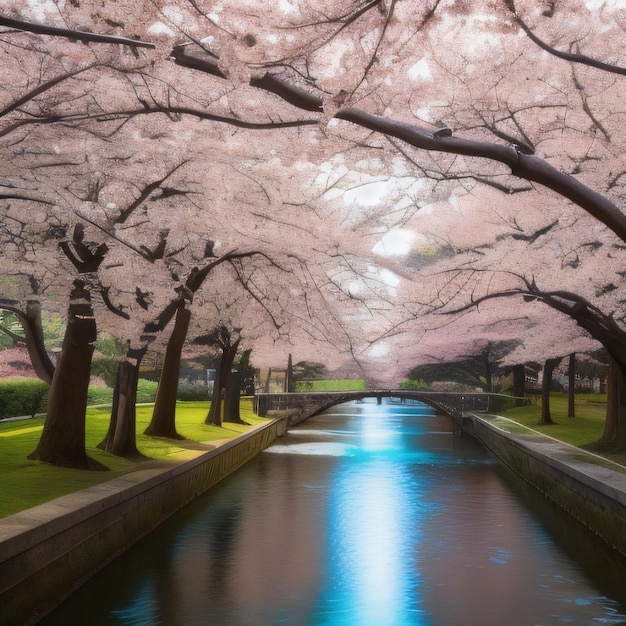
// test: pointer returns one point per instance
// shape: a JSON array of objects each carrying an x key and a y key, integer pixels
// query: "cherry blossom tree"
[{"x": 381, "y": 144}]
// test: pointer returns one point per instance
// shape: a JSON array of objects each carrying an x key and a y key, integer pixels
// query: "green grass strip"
[{"x": 26, "y": 483}]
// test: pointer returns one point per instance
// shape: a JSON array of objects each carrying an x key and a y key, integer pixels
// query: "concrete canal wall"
[
  {"x": 48, "y": 551},
  {"x": 588, "y": 487}
]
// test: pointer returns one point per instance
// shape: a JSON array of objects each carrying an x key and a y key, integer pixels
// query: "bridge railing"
[{"x": 455, "y": 404}]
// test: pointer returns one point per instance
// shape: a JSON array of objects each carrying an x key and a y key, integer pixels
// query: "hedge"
[
  {"x": 22, "y": 396},
  {"x": 29, "y": 396}
]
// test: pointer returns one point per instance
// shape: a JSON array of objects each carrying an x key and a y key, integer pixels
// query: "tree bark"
[
  {"x": 546, "y": 381},
  {"x": 33, "y": 337},
  {"x": 217, "y": 412},
  {"x": 62, "y": 441},
  {"x": 214, "y": 416},
  {"x": 571, "y": 390},
  {"x": 519, "y": 384},
  {"x": 121, "y": 438},
  {"x": 615, "y": 423},
  {"x": 163, "y": 422},
  {"x": 232, "y": 397}
]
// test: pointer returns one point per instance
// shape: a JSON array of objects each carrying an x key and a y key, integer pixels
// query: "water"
[{"x": 369, "y": 515}]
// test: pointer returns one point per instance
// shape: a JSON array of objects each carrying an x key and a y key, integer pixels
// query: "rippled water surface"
[{"x": 370, "y": 515}]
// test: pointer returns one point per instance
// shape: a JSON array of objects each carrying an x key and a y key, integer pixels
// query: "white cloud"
[
  {"x": 395, "y": 243},
  {"x": 159, "y": 28},
  {"x": 420, "y": 71},
  {"x": 367, "y": 194},
  {"x": 286, "y": 6}
]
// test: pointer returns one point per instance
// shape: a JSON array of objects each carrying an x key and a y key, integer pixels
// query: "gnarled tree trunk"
[
  {"x": 63, "y": 438},
  {"x": 121, "y": 438}
]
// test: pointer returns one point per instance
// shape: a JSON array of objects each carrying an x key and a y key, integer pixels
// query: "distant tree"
[
  {"x": 222, "y": 406},
  {"x": 546, "y": 386},
  {"x": 571, "y": 385},
  {"x": 418, "y": 385}
]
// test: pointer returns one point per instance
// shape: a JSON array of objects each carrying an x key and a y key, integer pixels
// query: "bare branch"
[{"x": 566, "y": 56}]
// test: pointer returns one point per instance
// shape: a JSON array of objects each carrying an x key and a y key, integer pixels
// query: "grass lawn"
[
  {"x": 583, "y": 430},
  {"x": 27, "y": 483},
  {"x": 350, "y": 384}
]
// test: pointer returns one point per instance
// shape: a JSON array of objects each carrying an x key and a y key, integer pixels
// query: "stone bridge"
[{"x": 301, "y": 406}]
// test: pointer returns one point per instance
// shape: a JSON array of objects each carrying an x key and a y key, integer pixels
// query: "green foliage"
[
  {"x": 105, "y": 369},
  {"x": 418, "y": 385},
  {"x": 110, "y": 346},
  {"x": 351, "y": 384},
  {"x": 193, "y": 393},
  {"x": 99, "y": 395},
  {"x": 53, "y": 332},
  {"x": 305, "y": 370},
  {"x": 9, "y": 321},
  {"x": 146, "y": 390},
  {"x": 22, "y": 396}
]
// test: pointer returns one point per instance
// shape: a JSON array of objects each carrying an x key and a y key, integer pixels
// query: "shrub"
[
  {"x": 99, "y": 395},
  {"x": 417, "y": 385},
  {"x": 193, "y": 393},
  {"x": 146, "y": 390},
  {"x": 105, "y": 369},
  {"x": 22, "y": 396}
]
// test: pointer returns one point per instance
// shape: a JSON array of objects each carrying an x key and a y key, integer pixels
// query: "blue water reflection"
[{"x": 368, "y": 515}]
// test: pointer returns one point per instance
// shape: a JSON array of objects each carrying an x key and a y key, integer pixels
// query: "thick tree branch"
[
  {"x": 529, "y": 167},
  {"x": 602, "y": 327},
  {"x": 523, "y": 166},
  {"x": 77, "y": 35}
]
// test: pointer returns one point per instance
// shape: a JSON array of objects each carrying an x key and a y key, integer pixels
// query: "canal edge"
[
  {"x": 579, "y": 482},
  {"x": 49, "y": 551}
]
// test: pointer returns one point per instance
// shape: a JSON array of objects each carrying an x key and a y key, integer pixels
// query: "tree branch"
[
  {"x": 78, "y": 35},
  {"x": 566, "y": 56}
]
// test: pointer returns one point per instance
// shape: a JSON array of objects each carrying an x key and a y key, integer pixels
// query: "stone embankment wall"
[
  {"x": 591, "y": 489},
  {"x": 48, "y": 551}
]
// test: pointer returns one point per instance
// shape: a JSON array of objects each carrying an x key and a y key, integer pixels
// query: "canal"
[{"x": 365, "y": 515}]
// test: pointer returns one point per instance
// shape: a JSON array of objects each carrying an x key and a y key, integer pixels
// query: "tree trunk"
[
  {"x": 546, "y": 381},
  {"x": 268, "y": 380},
  {"x": 33, "y": 337},
  {"x": 33, "y": 332},
  {"x": 232, "y": 397},
  {"x": 121, "y": 438},
  {"x": 62, "y": 441},
  {"x": 291, "y": 383},
  {"x": 214, "y": 416},
  {"x": 615, "y": 423},
  {"x": 571, "y": 391},
  {"x": 519, "y": 384},
  {"x": 223, "y": 374},
  {"x": 163, "y": 422}
]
